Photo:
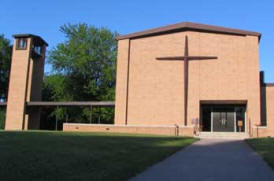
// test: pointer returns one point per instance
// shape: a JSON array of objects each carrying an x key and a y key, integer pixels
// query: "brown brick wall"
[
  {"x": 121, "y": 82},
  {"x": 26, "y": 79},
  {"x": 267, "y": 130},
  {"x": 17, "y": 88},
  {"x": 156, "y": 88},
  {"x": 37, "y": 74},
  {"x": 135, "y": 129}
]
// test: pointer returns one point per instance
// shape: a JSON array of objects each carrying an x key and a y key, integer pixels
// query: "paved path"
[{"x": 211, "y": 160}]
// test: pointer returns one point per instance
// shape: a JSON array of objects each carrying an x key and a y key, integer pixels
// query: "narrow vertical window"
[{"x": 21, "y": 44}]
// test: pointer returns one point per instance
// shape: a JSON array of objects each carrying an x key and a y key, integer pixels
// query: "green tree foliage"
[
  {"x": 5, "y": 59},
  {"x": 2, "y": 117},
  {"x": 87, "y": 60},
  {"x": 83, "y": 69}
]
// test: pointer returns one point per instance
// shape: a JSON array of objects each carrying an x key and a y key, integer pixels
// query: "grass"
[
  {"x": 45, "y": 155},
  {"x": 265, "y": 147}
]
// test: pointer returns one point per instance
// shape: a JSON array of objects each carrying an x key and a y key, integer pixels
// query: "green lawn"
[
  {"x": 43, "y": 155},
  {"x": 265, "y": 147}
]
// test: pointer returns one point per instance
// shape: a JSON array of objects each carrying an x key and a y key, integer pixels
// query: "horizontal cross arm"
[
  {"x": 187, "y": 57},
  {"x": 171, "y": 58},
  {"x": 201, "y": 57}
]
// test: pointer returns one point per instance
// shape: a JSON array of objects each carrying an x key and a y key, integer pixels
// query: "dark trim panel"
[
  {"x": 128, "y": 67},
  {"x": 268, "y": 85},
  {"x": 188, "y": 26},
  {"x": 223, "y": 101},
  {"x": 73, "y": 103}
]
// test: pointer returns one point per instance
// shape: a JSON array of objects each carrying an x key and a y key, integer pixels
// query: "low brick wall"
[
  {"x": 186, "y": 131},
  {"x": 268, "y": 113},
  {"x": 261, "y": 131},
  {"x": 138, "y": 129}
]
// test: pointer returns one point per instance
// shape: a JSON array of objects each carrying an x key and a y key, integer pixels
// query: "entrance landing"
[
  {"x": 223, "y": 135},
  {"x": 211, "y": 160}
]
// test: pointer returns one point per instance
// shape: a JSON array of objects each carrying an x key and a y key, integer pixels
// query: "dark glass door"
[
  {"x": 240, "y": 118},
  {"x": 205, "y": 123},
  {"x": 223, "y": 119}
]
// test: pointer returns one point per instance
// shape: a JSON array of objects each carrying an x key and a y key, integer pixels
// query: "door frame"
[{"x": 235, "y": 116}]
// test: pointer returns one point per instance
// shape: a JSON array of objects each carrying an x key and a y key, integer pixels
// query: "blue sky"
[{"x": 124, "y": 16}]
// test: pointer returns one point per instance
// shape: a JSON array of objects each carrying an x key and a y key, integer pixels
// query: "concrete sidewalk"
[{"x": 211, "y": 160}]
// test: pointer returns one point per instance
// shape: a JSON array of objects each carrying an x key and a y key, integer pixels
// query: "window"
[
  {"x": 21, "y": 44},
  {"x": 38, "y": 50}
]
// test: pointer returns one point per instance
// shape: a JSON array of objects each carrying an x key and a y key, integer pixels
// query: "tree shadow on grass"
[{"x": 37, "y": 155}]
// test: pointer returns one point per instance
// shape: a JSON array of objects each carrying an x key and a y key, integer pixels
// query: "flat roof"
[
  {"x": 268, "y": 84},
  {"x": 3, "y": 103},
  {"x": 71, "y": 103},
  {"x": 27, "y": 35},
  {"x": 186, "y": 26}
]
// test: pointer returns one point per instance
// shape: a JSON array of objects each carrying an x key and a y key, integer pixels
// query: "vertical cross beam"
[
  {"x": 186, "y": 58},
  {"x": 186, "y": 79}
]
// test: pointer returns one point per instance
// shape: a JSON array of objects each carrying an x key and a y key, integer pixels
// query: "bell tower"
[{"x": 25, "y": 84}]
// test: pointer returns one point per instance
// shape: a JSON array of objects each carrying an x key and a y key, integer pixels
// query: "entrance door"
[{"x": 223, "y": 120}]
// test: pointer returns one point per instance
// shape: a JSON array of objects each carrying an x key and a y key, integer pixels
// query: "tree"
[
  {"x": 5, "y": 60},
  {"x": 87, "y": 60},
  {"x": 83, "y": 67}
]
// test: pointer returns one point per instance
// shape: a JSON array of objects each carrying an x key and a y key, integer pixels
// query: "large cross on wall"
[{"x": 186, "y": 58}]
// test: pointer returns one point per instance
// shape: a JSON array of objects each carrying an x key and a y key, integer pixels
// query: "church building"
[
  {"x": 193, "y": 75},
  {"x": 182, "y": 79}
]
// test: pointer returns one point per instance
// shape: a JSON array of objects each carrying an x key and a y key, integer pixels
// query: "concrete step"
[{"x": 222, "y": 135}]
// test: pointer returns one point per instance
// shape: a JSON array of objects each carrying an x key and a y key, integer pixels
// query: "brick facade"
[
  {"x": 134, "y": 129},
  {"x": 156, "y": 88},
  {"x": 150, "y": 93},
  {"x": 268, "y": 113},
  {"x": 26, "y": 79}
]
